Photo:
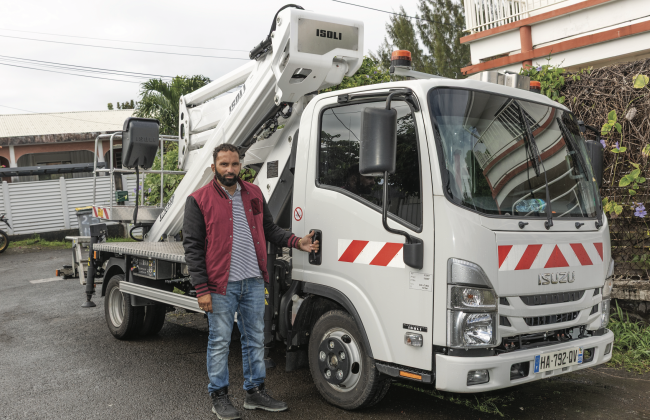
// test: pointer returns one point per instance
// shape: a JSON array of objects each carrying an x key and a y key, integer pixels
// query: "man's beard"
[{"x": 226, "y": 182}]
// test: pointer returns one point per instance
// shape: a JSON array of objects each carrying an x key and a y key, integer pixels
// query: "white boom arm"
[{"x": 309, "y": 52}]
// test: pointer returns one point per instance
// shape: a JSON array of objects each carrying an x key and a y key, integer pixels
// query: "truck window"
[
  {"x": 488, "y": 163},
  {"x": 338, "y": 166}
]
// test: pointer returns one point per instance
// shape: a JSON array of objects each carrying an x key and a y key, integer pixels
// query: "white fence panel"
[{"x": 36, "y": 207}]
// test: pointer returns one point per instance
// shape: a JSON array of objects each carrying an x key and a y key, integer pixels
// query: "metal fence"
[{"x": 48, "y": 206}]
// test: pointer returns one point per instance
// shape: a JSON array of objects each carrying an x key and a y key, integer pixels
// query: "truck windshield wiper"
[
  {"x": 537, "y": 161},
  {"x": 571, "y": 141}
]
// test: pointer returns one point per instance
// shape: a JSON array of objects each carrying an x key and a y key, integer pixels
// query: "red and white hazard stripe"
[
  {"x": 101, "y": 212},
  {"x": 383, "y": 254},
  {"x": 532, "y": 257}
]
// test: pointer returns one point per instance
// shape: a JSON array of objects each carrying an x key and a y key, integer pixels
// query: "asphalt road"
[{"x": 58, "y": 360}]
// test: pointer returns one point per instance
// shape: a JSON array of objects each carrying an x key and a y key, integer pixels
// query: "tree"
[
  {"x": 369, "y": 73},
  {"x": 110, "y": 106},
  {"x": 439, "y": 27},
  {"x": 160, "y": 100}
]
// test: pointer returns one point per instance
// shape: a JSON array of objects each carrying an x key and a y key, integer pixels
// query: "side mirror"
[
  {"x": 595, "y": 153},
  {"x": 140, "y": 139},
  {"x": 378, "y": 148}
]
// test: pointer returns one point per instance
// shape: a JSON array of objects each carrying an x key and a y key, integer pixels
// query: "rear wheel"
[
  {"x": 124, "y": 321},
  {"x": 342, "y": 370},
  {"x": 4, "y": 241},
  {"x": 154, "y": 319}
]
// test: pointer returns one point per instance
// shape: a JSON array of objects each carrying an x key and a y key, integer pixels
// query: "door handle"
[{"x": 315, "y": 258}]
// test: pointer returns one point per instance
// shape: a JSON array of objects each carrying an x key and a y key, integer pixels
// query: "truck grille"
[
  {"x": 551, "y": 319},
  {"x": 552, "y": 298}
]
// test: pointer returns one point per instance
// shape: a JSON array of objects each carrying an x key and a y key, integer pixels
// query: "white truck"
[{"x": 449, "y": 254}]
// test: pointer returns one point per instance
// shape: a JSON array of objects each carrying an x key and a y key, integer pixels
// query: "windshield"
[{"x": 492, "y": 166}]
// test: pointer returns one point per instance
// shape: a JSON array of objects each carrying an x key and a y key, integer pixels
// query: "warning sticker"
[{"x": 421, "y": 281}]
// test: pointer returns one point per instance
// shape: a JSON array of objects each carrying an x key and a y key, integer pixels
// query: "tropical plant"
[
  {"x": 160, "y": 100},
  {"x": 369, "y": 73}
]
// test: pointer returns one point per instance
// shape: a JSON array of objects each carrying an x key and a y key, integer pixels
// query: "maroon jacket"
[{"x": 207, "y": 234}]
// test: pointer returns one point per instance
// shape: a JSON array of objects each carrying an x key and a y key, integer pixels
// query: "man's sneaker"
[
  {"x": 221, "y": 405},
  {"x": 259, "y": 398}
]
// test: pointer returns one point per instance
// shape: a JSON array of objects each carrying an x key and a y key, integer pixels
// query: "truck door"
[{"x": 359, "y": 257}]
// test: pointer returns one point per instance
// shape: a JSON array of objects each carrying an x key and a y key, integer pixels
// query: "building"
[
  {"x": 505, "y": 35},
  {"x": 65, "y": 138}
]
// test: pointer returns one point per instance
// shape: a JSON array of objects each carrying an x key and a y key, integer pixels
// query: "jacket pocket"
[{"x": 256, "y": 205}]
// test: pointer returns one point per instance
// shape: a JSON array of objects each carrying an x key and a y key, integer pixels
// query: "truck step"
[{"x": 157, "y": 295}]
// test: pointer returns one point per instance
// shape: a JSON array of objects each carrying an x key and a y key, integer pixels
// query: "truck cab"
[{"x": 498, "y": 292}]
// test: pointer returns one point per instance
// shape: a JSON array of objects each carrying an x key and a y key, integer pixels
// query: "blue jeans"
[{"x": 246, "y": 298}]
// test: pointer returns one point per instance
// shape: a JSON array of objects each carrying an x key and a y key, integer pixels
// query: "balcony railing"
[{"x": 481, "y": 15}]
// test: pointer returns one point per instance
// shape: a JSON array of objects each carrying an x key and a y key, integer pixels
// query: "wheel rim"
[
  {"x": 339, "y": 360},
  {"x": 116, "y": 307},
  {"x": 3, "y": 241}
]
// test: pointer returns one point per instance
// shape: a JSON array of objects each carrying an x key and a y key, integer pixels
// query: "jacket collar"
[{"x": 223, "y": 194}]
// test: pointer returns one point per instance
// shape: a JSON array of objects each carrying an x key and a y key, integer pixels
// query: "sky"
[{"x": 221, "y": 28}]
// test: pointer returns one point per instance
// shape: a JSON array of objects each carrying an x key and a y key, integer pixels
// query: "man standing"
[{"x": 226, "y": 226}]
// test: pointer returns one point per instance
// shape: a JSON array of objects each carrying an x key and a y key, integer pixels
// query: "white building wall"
[{"x": 596, "y": 19}]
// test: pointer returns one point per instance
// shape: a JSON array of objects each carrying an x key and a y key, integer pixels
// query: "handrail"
[{"x": 500, "y": 12}]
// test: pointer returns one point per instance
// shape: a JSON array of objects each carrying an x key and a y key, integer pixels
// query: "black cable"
[
  {"x": 83, "y": 68},
  {"x": 383, "y": 11},
  {"x": 124, "y": 49},
  {"x": 52, "y": 115},
  {"x": 119, "y": 40},
  {"x": 137, "y": 194},
  {"x": 70, "y": 74}
]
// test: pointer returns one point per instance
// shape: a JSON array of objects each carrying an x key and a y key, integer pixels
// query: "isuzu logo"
[{"x": 555, "y": 278}]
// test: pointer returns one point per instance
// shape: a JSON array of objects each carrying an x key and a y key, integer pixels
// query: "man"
[{"x": 226, "y": 226}]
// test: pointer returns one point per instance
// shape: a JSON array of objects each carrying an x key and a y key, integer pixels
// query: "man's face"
[{"x": 226, "y": 168}]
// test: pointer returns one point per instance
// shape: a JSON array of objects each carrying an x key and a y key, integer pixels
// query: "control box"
[{"x": 153, "y": 269}]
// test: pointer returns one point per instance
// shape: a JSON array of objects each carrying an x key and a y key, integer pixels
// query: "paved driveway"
[{"x": 58, "y": 360}]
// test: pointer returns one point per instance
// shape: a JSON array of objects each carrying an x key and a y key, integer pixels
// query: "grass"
[
  {"x": 631, "y": 345},
  {"x": 37, "y": 242},
  {"x": 483, "y": 403}
]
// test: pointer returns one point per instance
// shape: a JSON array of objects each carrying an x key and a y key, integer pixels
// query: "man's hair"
[{"x": 224, "y": 147}]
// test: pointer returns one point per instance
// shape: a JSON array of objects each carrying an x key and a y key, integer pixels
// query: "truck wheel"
[
  {"x": 154, "y": 319},
  {"x": 342, "y": 370},
  {"x": 124, "y": 321}
]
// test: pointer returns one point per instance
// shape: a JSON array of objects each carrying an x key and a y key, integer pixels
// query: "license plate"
[{"x": 558, "y": 359}]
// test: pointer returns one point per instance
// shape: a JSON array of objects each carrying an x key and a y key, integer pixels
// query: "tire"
[
  {"x": 360, "y": 384},
  {"x": 4, "y": 241},
  {"x": 124, "y": 321},
  {"x": 154, "y": 319}
]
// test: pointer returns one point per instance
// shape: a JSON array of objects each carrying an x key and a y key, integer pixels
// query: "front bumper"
[{"x": 451, "y": 371}]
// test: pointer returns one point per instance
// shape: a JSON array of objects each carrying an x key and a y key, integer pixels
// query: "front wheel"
[
  {"x": 340, "y": 366},
  {"x": 4, "y": 241},
  {"x": 124, "y": 321}
]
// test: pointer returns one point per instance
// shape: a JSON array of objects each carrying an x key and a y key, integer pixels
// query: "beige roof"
[{"x": 62, "y": 123}]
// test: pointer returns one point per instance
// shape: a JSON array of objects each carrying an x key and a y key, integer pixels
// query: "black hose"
[
  {"x": 131, "y": 233},
  {"x": 137, "y": 195}
]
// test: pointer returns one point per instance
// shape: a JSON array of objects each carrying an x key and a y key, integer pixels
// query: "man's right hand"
[{"x": 205, "y": 302}]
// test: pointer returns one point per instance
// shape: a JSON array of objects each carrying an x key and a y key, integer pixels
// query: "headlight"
[
  {"x": 472, "y": 298},
  {"x": 610, "y": 269},
  {"x": 471, "y": 329},
  {"x": 607, "y": 288},
  {"x": 465, "y": 272},
  {"x": 604, "y": 316}
]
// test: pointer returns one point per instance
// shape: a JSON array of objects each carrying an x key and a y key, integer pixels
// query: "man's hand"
[
  {"x": 205, "y": 302},
  {"x": 307, "y": 245}
]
